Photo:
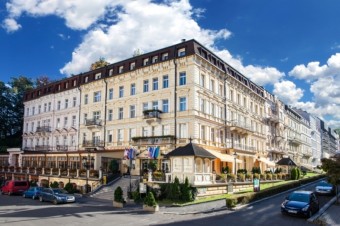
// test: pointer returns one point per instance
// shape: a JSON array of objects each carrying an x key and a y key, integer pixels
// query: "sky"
[{"x": 291, "y": 48}]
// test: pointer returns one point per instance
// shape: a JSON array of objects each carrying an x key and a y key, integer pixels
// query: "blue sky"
[{"x": 292, "y": 48}]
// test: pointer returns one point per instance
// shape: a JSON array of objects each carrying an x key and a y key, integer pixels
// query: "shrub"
[
  {"x": 186, "y": 191},
  {"x": 244, "y": 171},
  {"x": 69, "y": 187},
  {"x": 231, "y": 203},
  {"x": 118, "y": 195},
  {"x": 278, "y": 170},
  {"x": 249, "y": 176},
  {"x": 256, "y": 176},
  {"x": 54, "y": 184},
  {"x": 150, "y": 200},
  {"x": 241, "y": 177},
  {"x": 269, "y": 176},
  {"x": 262, "y": 176},
  {"x": 274, "y": 176},
  {"x": 232, "y": 177},
  {"x": 294, "y": 174},
  {"x": 256, "y": 170},
  {"x": 225, "y": 170}
]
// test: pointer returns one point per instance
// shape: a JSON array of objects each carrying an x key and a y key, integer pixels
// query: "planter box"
[
  {"x": 117, "y": 204},
  {"x": 152, "y": 209}
]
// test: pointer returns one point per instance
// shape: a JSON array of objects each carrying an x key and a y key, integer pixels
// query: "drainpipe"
[
  {"x": 175, "y": 97},
  {"x": 105, "y": 108},
  {"x": 79, "y": 113}
]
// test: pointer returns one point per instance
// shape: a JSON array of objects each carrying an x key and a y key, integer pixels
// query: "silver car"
[{"x": 325, "y": 188}]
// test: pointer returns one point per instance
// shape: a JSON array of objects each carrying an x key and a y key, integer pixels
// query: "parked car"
[
  {"x": 56, "y": 196},
  {"x": 15, "y": 187},
  {"x": 325, "y": 188},
  {"x": 32, "y": 192},
  {"x": 300, "y": 203}
]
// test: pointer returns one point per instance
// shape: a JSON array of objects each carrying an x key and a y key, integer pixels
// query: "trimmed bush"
[
  {"x": 231, "y": 203},
  {"x": 55, "y": 184},
  {"x": 118, "y": 195},
  {"x": 269, "y": 176},
  {"x": 150, "y": 200}
]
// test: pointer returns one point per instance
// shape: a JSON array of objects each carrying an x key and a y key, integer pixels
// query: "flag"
[
  {"x": 126, "y": 154},
  {"x": 156, "y": 154}
]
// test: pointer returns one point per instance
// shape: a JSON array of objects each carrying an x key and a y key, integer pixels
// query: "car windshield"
[
  {"x": 299, "y": 197},
  {"x": 59, "y": 191},
  {"x": 324, "y": 184}
]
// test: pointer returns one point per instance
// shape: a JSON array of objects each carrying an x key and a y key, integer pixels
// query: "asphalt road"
[{"x": 15, "y": 210}]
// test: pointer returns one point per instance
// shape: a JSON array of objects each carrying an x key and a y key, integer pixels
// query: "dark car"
[
  {"x": 32, "y": 192},
  {"x": 56, "y": 196},
  {"x": 300, "y": 203},
  {"x": 325, "y": 188}
]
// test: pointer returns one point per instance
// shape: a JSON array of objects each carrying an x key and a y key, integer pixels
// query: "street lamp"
[
  {"x": 87, "y": 164},
  {"x": 235, "y": 156}
]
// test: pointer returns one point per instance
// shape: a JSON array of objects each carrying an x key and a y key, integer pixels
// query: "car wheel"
[
  {"x": 33, "y": 197},
  {"x": 41, "y": 199},
  {"x": 55, "y": 202}
]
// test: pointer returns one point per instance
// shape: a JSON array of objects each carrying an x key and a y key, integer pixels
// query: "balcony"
[
  {"x": 295, "y": 140},
  {"x": 93, "y": 143},
  {"x": 153, "y": 115},
  {"x": 240, "y": 127},
  {"x": 279, "y": 138},
  {"x": 93, "y": 123},
  {"x": 307, "y": 154},
  {"x": 62, "y": 147},
  {"x": 43, "y": 148},
  {"x": 277, "y": 150},
  {"x": 273, "y": 118},
  {"x": 241, "y": 147},
  {"x": 153, "y": 140},
  {"x": 43, "y": 129}
]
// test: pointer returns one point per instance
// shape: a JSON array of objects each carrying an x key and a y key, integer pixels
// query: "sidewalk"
[{"x": 328, "y": 215}]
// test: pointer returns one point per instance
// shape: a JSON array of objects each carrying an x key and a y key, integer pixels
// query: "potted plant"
[
  {"x": 150, "y": 203},
  {"x": 118, "y": 200}
]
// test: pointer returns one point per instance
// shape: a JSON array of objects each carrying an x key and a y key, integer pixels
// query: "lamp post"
[
  {"x": 235, "y": 156},
  {"x": 87, "y": 164}
]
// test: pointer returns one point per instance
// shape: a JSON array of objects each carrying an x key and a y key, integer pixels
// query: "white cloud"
[
  {"x": 10, "y": 25},
  {"x": 288, "y": 92}
]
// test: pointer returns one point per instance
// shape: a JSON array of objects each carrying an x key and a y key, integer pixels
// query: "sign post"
[{"x": 256, "y": 184}]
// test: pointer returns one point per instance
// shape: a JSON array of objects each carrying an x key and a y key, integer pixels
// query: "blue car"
[
  {"x": 56, "y": 196},
  {"x": 300, "y": 203},
  {"x": 32, "y": 192}
]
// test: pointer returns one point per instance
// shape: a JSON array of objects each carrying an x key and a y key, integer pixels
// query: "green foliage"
[
  {"x": 225, "y": 170},
  {"x": 70, "y": 188},
  {"x": 231, "y": 203},
  {"x": 332, "y": 169},
  {"x": 118, "y": 195},
  {"x": 278, "y": 170},
  {"x": 114, "y": 166},
  {"x": 256, "y": 170},
  {"x": 244, "y": 171},
  {"x": 294, "y": 174},
  {"x": 152, "y": 165},
  {"x": 150, "y": 200},
  {"x": 186, "y": 193},
  {"x": 33, "y": 183},
  {"x": 54, "y": 184}
]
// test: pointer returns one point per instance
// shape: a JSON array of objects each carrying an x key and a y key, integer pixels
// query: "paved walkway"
[{"x": 330, "y": 215}]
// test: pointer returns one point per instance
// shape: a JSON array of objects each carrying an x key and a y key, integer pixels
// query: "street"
[{"x": 16, "y": 210}]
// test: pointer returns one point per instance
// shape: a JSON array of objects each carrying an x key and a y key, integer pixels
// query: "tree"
[
  {"x": 98, "y": 64},
  {"x": 42, "y": 81},
  {"x": 332, "y": 169}
]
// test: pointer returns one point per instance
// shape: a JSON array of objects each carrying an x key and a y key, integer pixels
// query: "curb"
[{"x": 315, "y": 217}]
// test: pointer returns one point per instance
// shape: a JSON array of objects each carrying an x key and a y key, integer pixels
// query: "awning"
[
  {"x": 268, "y": 162},
  {"x": 224, "y": 157}
]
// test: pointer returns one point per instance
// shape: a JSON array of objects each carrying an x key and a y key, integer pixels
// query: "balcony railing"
[
  {"x": 295, "y": 140},
  {"x": 152, "y": 140},
  {"x": 241, "y": 147},
  {"x": 240, "y": 126},
  {"x": 41, "y": 129},
  {"x": 62, "y": 147},
  {"x": 273, "y": 118},
  {"x": 93, "y": 122},
  {"x": 153, "y": 113},
  {"x": 43, "y": 148},
  {"x": 93, "y": 143}
]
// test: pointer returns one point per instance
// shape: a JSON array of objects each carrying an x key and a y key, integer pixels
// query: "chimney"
[{"x": 183, "y": 40}]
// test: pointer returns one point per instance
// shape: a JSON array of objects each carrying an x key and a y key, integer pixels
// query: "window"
[
  {"x": 145, "y": 106},
  {"x": 96, "y": 96},
  {"x": 165, "y": 56},
  {"x": 120, "y": 113},
  {"x": 202, "y": 133},
  {"x": 110, "y": 72},
  {"x": 182, "y": 104},
  {"x": 121, "y": 69},
  {"x": 58, "y": 105},
  {"x": 45, "y": 107},
  {"x": 74, "y": 82},
  {"x": 96, "y": 115},
  {"x": 132, "y": 111},
  {"x": 39, "y": 109},
  {"x": 212, "y": 85},
  {"x": 181, "y": 52},
  {"x": 238, "y": 99},
  {"x": 165, "y": 130},
  {"x": 133, "y": 89},
  {"x": 85, "y": 117},
  {"x": 212, "y": 109},
  {"x": 121, "y": 91},
  {"x": 132, "y": 133},
  {"x": 212, "y": 134},
  {"x": 182, "y": 78},
  {"x": 86, "y": 99},
  {"x": 109, "y": 136},
  {"x": 202, "y": 105},
  {"x": 33, "y": 110},
  {"x": 144, "y": 131},
  {"x": 98, "y": 76},
  {"x": 231, "y": 95},
  {"x": 74, "y": 120},
  {"x": 58, "y": 122},
  {"x": 145, "y": 61},
  {"x": 165, "y": 81},
  {"x": 154, "y": 59},
  {"x": 155, "y": 83},
  {"x": 120, "y": 135},
  {"x": 132, "y": 66},
  {"x": 220, "y": 91},
  {"x": 49, "y": 106},
  {"x": 155, "y": 105},
  {"x": 74, "y": 101},
  {"x": 146, "y": 86},
  {"x": 110, "y": 94},
  {"x": 65, "y": 121},
  {"x": 110, "y": 115},
  {"x": 202, "y": 80},
  {"x": 183, "y": 130},
  {"x": 165, "y": 104},
  {"x": 66, "y": 103},
  {"x": 86, "y": 79}
]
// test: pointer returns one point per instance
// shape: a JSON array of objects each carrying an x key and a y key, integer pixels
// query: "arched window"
[{"x": 199, "y": 165}]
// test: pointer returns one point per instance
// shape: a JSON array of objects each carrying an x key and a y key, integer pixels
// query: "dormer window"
[
  {"x": 74, "y": 82},
  {"x": 154, "y": 59},
  {"x": 110, "y": 72},
  {"x": 132, "y": 66},
  {"x": 121, "y": 69},
  {"x": 98, "y": 76},
  {"x": 86, "y": 79},
  {"x": 66, "y": 85},
  {"x": 145, "y": 61},
  {"x": 59, "y": 87},
  {"x": 165, "y": 56},
  {"x": 181, "y": 52}
]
